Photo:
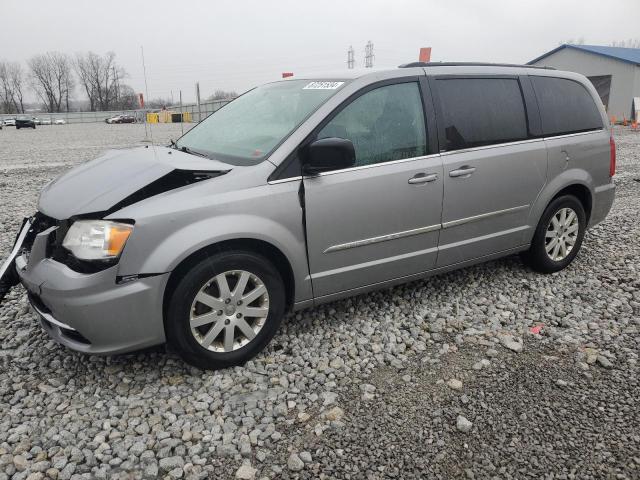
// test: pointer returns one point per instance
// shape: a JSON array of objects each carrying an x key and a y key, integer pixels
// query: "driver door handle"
[
  {"x": 462, "y": 172},
  {"x": 423, "y": 178}
]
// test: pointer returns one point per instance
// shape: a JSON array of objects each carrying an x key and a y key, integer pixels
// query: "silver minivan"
[{"x": 309, "y": 190}]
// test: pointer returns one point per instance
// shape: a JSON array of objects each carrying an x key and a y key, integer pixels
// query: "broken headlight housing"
[{"x": 97, "y": 239}]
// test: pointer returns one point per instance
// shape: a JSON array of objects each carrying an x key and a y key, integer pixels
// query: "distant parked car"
[
  {"x": 25, "y": 122},
  {"x": 10, "y": 122},
  {"x": 59, "y": 121},
  {"x": 37, "y": 121},
  {"x": 121, "y": 119},
  {"x": 45, "y": 121}
]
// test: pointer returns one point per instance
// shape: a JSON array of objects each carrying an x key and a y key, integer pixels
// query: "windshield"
[{"x": 246, "y": 130}]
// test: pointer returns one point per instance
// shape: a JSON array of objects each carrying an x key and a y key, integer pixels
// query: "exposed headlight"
[{"x": 97, "y": 239}]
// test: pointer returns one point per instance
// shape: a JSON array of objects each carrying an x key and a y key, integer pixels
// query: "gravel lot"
[{"x": 441, "y": 378}]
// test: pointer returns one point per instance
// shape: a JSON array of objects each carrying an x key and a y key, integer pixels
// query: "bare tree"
[
  {"x": 51, "y": 79},
  {"x": 157, "y": 102},
  {"x": 100, "y": 78},
  {"x": 222, "y": 95},
  {"x": 127, "y": 98},
  {"x": 11, "y": 87},
  {"x": 630, "y": 43}
]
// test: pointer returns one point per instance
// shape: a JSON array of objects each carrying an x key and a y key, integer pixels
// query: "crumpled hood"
[{"x": 101, "y": 184}]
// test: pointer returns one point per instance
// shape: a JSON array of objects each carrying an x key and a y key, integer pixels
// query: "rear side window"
[
  {"x": 565, "y": 106},
  {"x": 481, "y": 111}
]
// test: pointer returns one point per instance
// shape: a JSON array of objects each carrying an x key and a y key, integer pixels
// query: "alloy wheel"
[
  {"x": 229, "y": 310},
  {"x": 562, "y": 234}
]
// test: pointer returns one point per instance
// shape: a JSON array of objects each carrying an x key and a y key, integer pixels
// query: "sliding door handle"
[
  {"x": 462, "y": 172},
  {"x": 423, "y": 178}
]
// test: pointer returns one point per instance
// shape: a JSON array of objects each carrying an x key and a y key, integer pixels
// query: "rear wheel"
[
  {"x": 558, "y": 236},
  {"x": 225, "y": 310}
]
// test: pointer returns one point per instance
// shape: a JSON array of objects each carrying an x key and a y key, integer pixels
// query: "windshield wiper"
[{"x": 189, "y": 151}]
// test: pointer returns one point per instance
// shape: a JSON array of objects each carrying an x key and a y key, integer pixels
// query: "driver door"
[{"x": 379, "y": 220}]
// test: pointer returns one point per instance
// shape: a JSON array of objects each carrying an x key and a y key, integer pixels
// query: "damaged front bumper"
[
  {"x": 91, "y": 313},
  {"x": 8, "y": 274}
]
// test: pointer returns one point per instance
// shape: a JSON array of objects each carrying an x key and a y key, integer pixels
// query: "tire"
[
  {"x": 196, "y": 346},
  {"x": 549, "y": 231}
]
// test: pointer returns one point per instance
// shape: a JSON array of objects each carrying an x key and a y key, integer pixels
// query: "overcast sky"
[{"x": 236, "y": 44}]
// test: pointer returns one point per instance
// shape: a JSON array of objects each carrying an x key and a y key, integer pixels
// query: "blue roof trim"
[{"x": 627, "y": 55}]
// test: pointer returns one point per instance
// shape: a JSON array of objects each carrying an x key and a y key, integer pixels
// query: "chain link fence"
[{"x": 206, "y": 109}]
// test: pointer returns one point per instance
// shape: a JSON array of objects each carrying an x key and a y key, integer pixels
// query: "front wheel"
[
  {"x": 225, "y": 310},
  {"x": 558, "y": 236}
]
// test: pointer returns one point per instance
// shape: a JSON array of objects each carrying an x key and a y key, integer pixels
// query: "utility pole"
[
  {"x": 116, "y": 87},
  {"x": 198, "y": 99},
  {"x": 146, "y": 92},
  {"x": 351, "y": 61},
  {"x": 368, "y": 55},
  {"x": 181, "y": 114}
]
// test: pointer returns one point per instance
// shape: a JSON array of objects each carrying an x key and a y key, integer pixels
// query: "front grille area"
[{"x": 40, "y": 223}]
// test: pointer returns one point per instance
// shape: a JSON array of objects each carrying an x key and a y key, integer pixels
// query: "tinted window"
[
  {"x": 384, "y": 124},
  {"x": 565, "y": 106},
  {"x": 481, "y": 111}
]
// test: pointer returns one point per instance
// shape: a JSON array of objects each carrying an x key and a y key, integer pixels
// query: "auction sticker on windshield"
[{"x": 322, "y": 85}]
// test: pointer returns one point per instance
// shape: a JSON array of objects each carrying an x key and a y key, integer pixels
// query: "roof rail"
[{"x": 470, "y": 64}]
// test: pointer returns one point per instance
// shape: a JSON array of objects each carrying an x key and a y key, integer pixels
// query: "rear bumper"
[
  {"x": 91, "y": 313},
  {"x": 602, "y": 202}
]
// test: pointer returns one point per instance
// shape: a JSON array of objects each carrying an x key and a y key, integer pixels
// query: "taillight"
[{"x": 612, "y": 158}]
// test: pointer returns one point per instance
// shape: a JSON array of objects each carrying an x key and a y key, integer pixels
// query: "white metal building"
[{"x": 614, "y": 71}]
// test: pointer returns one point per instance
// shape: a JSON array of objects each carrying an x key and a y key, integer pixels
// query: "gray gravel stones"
[
  {"x": 454, "y": 384},
  {"x": 342, "y": 382},
  {"x": 463, "y": 425},
  {"x": 511, "y": 342},
  {"x": 246, "y": 472},
  {"x": 170, "y": 463},
  {"x": 295, "y": 463}
]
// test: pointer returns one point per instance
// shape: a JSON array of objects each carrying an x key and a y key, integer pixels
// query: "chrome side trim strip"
[
  {"x": 489, "y": 147},
  {"x": 462, "y": 221},
  {"x": 421, "y": 230},
  {"x": 590, "y": 132},
  {"x": 285, "y": 180},
  {"x": 383, "y": 238},
  {"x": 353, "y": 169},
  {"x": 381, "y": 164}
]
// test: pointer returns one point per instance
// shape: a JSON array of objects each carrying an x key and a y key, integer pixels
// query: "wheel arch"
[
  {"x": 576, "y": 182},
  {"x": 251, "y": 245}
]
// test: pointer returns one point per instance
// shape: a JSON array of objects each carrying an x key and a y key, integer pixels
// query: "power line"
[{"x": 368, "y": 55}]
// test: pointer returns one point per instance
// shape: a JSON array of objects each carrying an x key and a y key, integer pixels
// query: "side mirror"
[{"x": 328, "y": 154}]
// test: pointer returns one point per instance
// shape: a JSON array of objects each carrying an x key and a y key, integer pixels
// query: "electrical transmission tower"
[
  {"x": 351, "y": 60},
  {"x": 368, "y": 55}
]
